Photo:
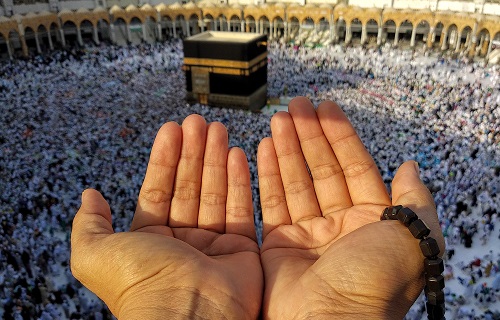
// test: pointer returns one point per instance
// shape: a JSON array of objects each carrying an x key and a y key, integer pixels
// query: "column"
[
  {"x": 262, "y": 27},
  {"x": 489, "y": 50},
  {"x": 79, "y": 36},
  {"x": 348, "y": 33},
  {"x": 23, "y": 45},
  {"x": 9, "y": 48},
  {"x": 129, "y": 34},
  {"x": 63, "y": 39},
  {"x": 96, "y": 34},
  {"x": 174, "y": 31},
  {"x": 228, "y": 25},
  {"x": 363, "y": 33},
  {"x": 242, "y": 25},
  {"x": 458, "y": 42},
  {"x": 37, "y": 43},
  {"x": 285, "y": 36},
  {"x": 51, "y": 45},
  {"x": 484, "y": 48},
  {"x": 444, "y": 38},
  {"x": 396, "y": 37},
  {"x": 215, "y": 24},
  {"x": 112, "y": 32},
  {"x": 379, "y": 35},
  {"x": 158, "y": 28},
  {"x": 333, "y": 32},
  {"x": 430, "y": 37},
  {"x": 272, "y": 32},
  {"x": 144, "y": 32},
  {"x": 413, "y": 34},
  {"x": 188, "y": 29},
  {"x": 472, "y": 47}
]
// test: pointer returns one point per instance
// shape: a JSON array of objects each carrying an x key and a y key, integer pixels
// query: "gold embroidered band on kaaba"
[{"x": 225, "y": 63}]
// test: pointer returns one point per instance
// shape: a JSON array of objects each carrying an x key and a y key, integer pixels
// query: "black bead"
[
  {"x": 406, "y": 216},
  {"x": 419, "y": 229},
  {"x": 433, "y": 267},
  {"x": 435, "y": 311},
  {"x": 434, "y": 283},
  {"x": 435, "y": 298},
  {"x": 390, "y": 213},
  {"x": 429, "y": 247}
]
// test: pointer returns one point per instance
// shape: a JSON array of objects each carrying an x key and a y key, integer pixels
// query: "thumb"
[
  {"x": 91, "y": 223},
  {"x": 409, "y": 191}
]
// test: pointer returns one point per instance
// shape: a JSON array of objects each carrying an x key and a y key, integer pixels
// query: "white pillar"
[
  {"x": 242, "y": 26},
  {"x": 379, "y": 35},
  {"x": 51, "y": 45},
  {"x": 489, "y": 49},
  {"x": 396, "y": 37},
  {"x": 158, "y": 27},
  {"x": 144, "y": 32},
  {"x": 112, "y": 34},
  {"x": 38, "y": 49},
  {"x": 413, "y": 34},
  {"x": 458, "y": 42},
  {"x": 129, "y": 33},
  {"x": 348, "y": 33},
  {"x": 188, "y": 29},
  {"x": 9, "y": 49},
  {"x": 228, "y": 25},
  {"x": 333, "y": 32},
  {"x": 262, "y": 27},
  {"x": 79, "y": 36},
  {"x": 444, "y": 35},
  {"x": 271, "y": 30},
  {"x": 96, "y": 34},
  {"x": 363, "y": 33},
  {"x": 63, "y": 39},
  {"x": 174, "y": 31},
  {"x": 215, "y": 24}
]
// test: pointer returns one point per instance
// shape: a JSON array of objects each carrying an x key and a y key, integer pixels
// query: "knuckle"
[
  {"x": 186, "y": 190},
  {"x": 358, "y": 168},
  {"x": 325, "y": 171},
  {"x": 272, "y": 202},
  {"x": 155, "y": 195},
  {"x": 239, "y": 212},
  {"x": 297, "y": 187},
  {"x": 212, "y": 199}
]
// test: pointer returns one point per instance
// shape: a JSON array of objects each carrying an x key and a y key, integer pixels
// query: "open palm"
[
  {"x": 192, "y": 250},
  {"x": 323, "y": 254}
]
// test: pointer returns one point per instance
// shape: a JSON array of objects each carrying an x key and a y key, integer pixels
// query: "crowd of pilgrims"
[{"x": 87, "y": 118}]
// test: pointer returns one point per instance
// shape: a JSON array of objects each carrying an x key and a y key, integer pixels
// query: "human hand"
[
  {"x": 191, "y": 251},
  {"x": 325, "y": 253}
]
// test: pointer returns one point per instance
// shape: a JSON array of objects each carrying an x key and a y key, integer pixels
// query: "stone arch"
[
  {"x": 54, "y": 31},
  {"x": 120, "y": 31},
  {"x": 180, "y": 29},
  {"x": 423, "y": 30},
  {"x": 371, "y": 27},
  {"x": 15, "y": 44},
  {"x": 30, "y": 38},
  {"x": 452, "y": 36},
  {"x": 341, "y": 27},
  {"x": 265, "y": 25},
  {"x": 439, "y": 31},
  {"x": 43, "y": 37},
  {"x": 208, "y": 21},
  {"x": 222, "y": 23},
  {"x": 356, "y": 29},
  {"x": 250, "y": 24},
  {"x": 279, "y": 27},
  {"x": 194, "y": 26},
  {"x": 293, "y": 27},
  {"x": 70, "y": 33},
  {"x": 87, "y": 31},
  {"x": 234, "y": 23},
  {"x": 388, "y": 30},
  {"x": 484, "y": 38},
  {"x": 405, "y": 31},
  {"x": 464, "y": 38},
  {"x": 323, "y": 24},
  {"x": 103, "y": 30}
]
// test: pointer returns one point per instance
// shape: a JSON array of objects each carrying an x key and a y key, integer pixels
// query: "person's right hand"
[
  {"x": 325, "y": 253},
  {"x": 192, "y": 251}
]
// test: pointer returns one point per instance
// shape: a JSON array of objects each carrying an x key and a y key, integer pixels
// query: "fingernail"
[{"x": 417, "y": 169}]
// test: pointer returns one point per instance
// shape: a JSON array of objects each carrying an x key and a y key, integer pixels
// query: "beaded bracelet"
[{"x": 433, "y": 265}]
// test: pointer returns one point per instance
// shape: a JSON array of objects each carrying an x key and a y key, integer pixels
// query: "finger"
[
  {"x": 239, "y": 207},
  {"x": 91, "y": 223},
  {"x": 187, "y": 185},
  {"x": 153, "y": 205},
  {"x": 361, "y": 174},
  {"x": 299, "y": 190},
  {"x": 212, "y": 213},
  {"x": 328, "y": 179},
  {"x": 409, "y": 191}
]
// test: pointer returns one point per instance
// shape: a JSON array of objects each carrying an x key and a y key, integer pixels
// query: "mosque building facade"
[{"x": 473, "y": 26}]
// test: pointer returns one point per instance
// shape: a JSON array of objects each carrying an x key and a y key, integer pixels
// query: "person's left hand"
[{"x": 191, "y": 251}]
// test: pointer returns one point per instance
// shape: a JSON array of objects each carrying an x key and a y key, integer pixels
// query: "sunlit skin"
[{"x": 191, "y": 251}]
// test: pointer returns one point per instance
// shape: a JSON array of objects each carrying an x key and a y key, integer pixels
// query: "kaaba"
[{"x": 226, "y": 69}]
